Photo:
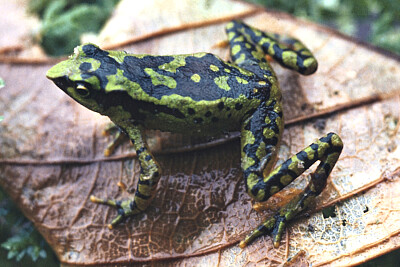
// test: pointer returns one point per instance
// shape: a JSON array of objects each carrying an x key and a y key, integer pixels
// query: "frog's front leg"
[
  {"x": 148, "y": 179},
  {"x": 119, "y": 138},
  {"x": 258, "y": 153}
]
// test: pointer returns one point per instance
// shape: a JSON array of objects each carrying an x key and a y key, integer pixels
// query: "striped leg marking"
[
  {"x": 148, "y": 179},
  {"x": 327, "y": 150},
  {"x": 288, "y": 52}
]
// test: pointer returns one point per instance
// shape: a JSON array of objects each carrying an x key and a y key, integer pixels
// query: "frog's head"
[{"x": 83, "y": 76}]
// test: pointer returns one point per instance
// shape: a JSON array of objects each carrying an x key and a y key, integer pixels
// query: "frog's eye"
[{"x": 82, "y": 90}]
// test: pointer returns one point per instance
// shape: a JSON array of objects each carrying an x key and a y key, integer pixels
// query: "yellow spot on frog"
[
  {"x": 227, "y": 70},
  {"x": 336, "y": 141},
  {"x": 222, "y": 82},
  {"x": 199, "y": 55},
  {"x": 144, "y": 189},
  {"x": 260, "y": 152},
  {"x": 178, "y": 61},
  {"x": 256, "y": 32},
  {"x": 294, "y": 166},
  {"x": 274, "y": 189},
  {"x": 268, "y": 133},
  {"x": 271, "y": 50},
  {"x": 235, "y": 49},
  {"x": 260, "y": 194},
  {"x": 250, "y": 139},
  {"x": 230, "y": 25},
  {"x": 251, "y": 182},
  {"x": 286, "y": 179},
  {"x": 196, "y": 78},
  {"x": 240, "y": 59},
  {"x": 239, "y": 39},
  {"x": 310, "y": 154},
  {"x": 311, "y": 63},
  {"x": 214, "y": 68},
  {"x": 262, "y": 82},
  {"x": 264, "y": 40},
  {"x": 242, "y": 81},
  {"x": 158, "y": 79},
  {"x": 135, "y": 90},
  {"x": 117, "y": 55},
  {"x": 290, "y": 59}
]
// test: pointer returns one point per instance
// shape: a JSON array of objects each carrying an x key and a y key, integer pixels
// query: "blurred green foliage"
[
  {"x": 63, "y": 22},
  {"x": 19, "y": 240},
  {"x": 374, "y": 21}
]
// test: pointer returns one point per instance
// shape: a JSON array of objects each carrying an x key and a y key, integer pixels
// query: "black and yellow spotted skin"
[{"x": 203, "y": 95}]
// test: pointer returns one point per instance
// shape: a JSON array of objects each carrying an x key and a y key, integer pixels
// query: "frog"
[{"x": 201, "y": 94}]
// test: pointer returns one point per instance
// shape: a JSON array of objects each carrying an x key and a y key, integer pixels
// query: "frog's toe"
[
  {"x": 119, "y": 138},
  {"x": 103, "y": 201},
  {"x": 274, "y": 226},
  {"x": 123, "y": 207},
  {"x": 110, "y": 128},
  {"x": 120, "y": 217}
]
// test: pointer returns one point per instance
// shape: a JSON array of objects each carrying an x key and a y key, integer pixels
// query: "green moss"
[{"x": 63, "y": 22}]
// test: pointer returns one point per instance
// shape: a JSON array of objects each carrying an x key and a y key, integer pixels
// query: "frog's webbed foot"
[
  {"x": 128, "y": 207},
  {"x": 276, "y": 225},
  {"x": 125, "y": 208},
  {"x": 119, "y": 138}
]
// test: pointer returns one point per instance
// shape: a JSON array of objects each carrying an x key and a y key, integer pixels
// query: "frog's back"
[
  {"x": 200, "y": 76},
  {"x": 194, "y": 90}
]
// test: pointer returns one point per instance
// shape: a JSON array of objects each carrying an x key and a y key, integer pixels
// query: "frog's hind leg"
[
  {"x": 244, "y": 52},
  {"x": 261, "y": 132},
  {"x": 327, "y": 150},
  {"x": 147, "y": 183},
  {"x": 289, "y": 52}
]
